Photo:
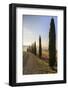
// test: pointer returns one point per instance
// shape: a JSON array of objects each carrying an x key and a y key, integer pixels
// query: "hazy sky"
[{"x": 33, "y": 26}]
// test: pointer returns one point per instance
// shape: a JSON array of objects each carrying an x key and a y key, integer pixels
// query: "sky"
[{"x": 35, "y": 25}]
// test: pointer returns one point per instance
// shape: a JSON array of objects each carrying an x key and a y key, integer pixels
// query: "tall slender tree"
[
  {"x": 35, "y": 47},
  {"x": 52, "y": 44},
  {"x": 40, "y": 47}
]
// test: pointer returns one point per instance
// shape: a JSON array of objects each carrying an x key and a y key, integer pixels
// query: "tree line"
[
  {"x": 52, "y": 45},
  {"x": 33, "y": 48}
]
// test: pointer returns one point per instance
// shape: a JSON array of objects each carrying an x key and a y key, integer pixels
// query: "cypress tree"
[
  {"x": 52, "y": 44},
  {"x": 35, "y": 48},
  {"x": 40, "y": 47}
]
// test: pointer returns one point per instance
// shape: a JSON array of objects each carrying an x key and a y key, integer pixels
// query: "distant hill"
[{"x": 33, "y": 65}]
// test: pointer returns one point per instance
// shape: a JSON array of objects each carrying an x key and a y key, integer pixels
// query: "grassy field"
[{"x": 34, "y": 65}]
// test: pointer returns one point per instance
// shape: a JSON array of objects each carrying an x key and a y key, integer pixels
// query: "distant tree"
[
  {"x": 35, "y": 47},
  {"x": 52, "y": 44},
  {"x": 28, "y": 49},
  {"x": 40, "y": 47}
]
